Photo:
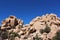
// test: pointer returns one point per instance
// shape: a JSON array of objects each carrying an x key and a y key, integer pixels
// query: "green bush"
[
  {"x": 4, "y": 34},
  {"x": 13, "y": 35},
  {"x": 47, "y": 29},
  {"x": 37, "y": 38},
  {"x": 57, "y": 37},
  {"x": 41, "y": 31}
]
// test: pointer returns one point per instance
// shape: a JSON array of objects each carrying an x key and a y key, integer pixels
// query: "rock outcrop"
[{"x": 42, "y": 27}]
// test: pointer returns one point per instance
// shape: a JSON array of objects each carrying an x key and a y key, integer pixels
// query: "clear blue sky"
[{"x": 28, "y": 9}]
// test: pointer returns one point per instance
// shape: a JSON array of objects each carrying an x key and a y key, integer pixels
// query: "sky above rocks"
[{"x": 28, "y": 9}]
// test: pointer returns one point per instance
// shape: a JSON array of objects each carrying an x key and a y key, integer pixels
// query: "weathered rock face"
[
  {"x": 37, "y": 28},
  {"x": 12, "y": 23}
]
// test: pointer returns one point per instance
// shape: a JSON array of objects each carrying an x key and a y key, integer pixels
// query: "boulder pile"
[{"x": 40, "y": 28}]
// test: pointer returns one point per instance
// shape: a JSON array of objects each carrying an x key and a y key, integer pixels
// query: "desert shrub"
[
  {"x": 13, "y": 35},
  {"x": 4, "y": 34},
  {"x": 37, "y": 38},
  {"x": 57, "y": 37},
  {"x": 47, "y": 29},
  {"x": 41, "y": 31}
]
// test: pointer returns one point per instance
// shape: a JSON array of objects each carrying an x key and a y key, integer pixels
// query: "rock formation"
[{"x": 42, "y": 27}]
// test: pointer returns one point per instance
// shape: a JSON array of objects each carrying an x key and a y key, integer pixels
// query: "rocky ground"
[{"x": 40, "y": 28}]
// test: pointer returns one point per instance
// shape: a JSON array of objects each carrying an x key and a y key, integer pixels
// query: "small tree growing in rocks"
[
  {"x": 47, "y": 29},
  {"x": 37, "y": 38},
  {"x": 57, "y": 37},
  {"x": 12, "y": 35}
]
